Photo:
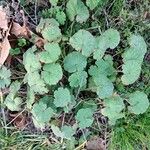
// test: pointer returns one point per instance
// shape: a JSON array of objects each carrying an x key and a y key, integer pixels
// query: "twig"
[{"x": 15, "y": 117}]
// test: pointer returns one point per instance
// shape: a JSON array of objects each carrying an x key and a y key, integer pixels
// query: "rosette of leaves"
[
  {"x": 12, "y": 101},
  {"x": 132, "y": 59},
  {"x": 77, "y": 10},
  {"x": 113, "y": 108},
  {"x": 41, "y": 114},
  {"x": 4, "y": 77}
]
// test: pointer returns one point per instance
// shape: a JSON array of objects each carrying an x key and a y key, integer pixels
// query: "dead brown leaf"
[
  {"x": 20, "y": 31},
  {"x": 4, "y": 19},
  {"x": 4, "y": 50},
  {"x": 96, "y": 143},
  {"x": 19, "y": 120}
]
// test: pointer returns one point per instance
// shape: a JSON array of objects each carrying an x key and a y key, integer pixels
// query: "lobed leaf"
[
  {"x": 51, "y": 53},
  {"x": 139, "y": 102},
  {"x": 13, "y": 102},
  {"x": 78, "y": 79},
  {"x": 45, "y": 23},
  {"x": 62, "y": 97},
  {"x": 52, "y": 73},
  {"x": 103, "y": 67},
  {"x": 4, "y": 77},
  {"x": 104, "y": 86},
  {"x": 75, "y": 61},
  {"x": 35, "y": 82},
  {"x": 31, "y": 61},
  {"x": 84, "y": 42},
  {"x": 84, "y": 117},
  {"x": 61, "y": 17},
  {"x": 65, "y": 132},
  {"x": 92, "y": 3},
  {"x": 41, "y": 114},
  {"x": 113, "y": 108},
  {"x": 132, "y": 59},
  {"x": 76, "y": 8},
  {"x": 82, "y": 12},
  {"x": 109, "y": 39}
]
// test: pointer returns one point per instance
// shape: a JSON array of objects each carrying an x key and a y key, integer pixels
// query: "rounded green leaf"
[
  {"x": 12, "y": 101},
  {"x": 76, "y": 8},
  {"x": 62, "y": 97},
  {"x": 36, "y": 83},
  {"x": 132, "y": 59},
  {"x": 41, "y": 114},
  {"x": 84, "y": 42},
  {"x": 131, "y": 71},
  {"x": 52, "y": 33},
  {"x": 52, "y": 73},
  {"x": 85, "y": 117},
  {"x": 112, "y": 38},
  {"x": 92, "y": 3},
  {"x": 78, "y": 79},
  {"x": 4, "y": 77},
  {"x": 104, "y": 86},
  {"x": 113, "y": 107},
  {"x": 71, "y": 9},
  {"x": 139, "y": 102},
  {"x": 61, "y": 17},
  {"x": 74, "y": 61},
  {"x": 31, "y": 61},
  {"x": 51, "y": 53},
  {"x": 109, "y": 39},
  {"x": 82, "y": 12},
  {"x": 103, "y": 67}
]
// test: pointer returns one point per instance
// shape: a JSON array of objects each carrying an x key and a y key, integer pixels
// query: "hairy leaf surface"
[
  {"x": 84, "y": 42},
  {"x": 85, "y": 117},
  {"x": 52, "y": 73},
  {"x": 62, "y": 97},
  {"x": 139, "y": 102},
  {"x": 4, "y": 77},
  {"x": 113, "y": 108},
  {"x": 132, "y": 59},
  {"x": 75, "y": 61}
]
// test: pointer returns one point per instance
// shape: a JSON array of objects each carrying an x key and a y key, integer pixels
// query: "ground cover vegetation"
[{"x": 75, "y": 74}]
